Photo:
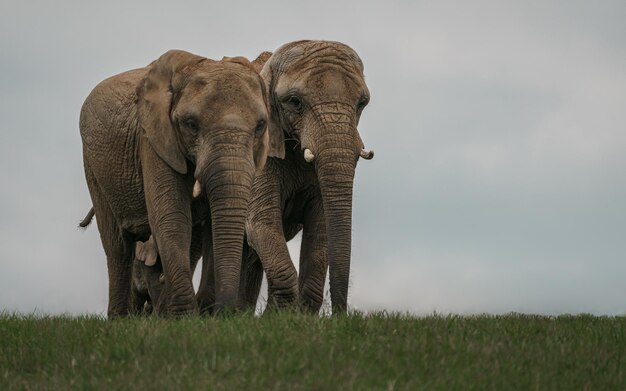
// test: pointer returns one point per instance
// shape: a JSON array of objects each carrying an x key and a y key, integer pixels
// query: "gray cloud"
[{"x": 499, "y": 133}]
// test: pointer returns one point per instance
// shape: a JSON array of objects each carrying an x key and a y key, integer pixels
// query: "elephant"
[
  {"x": 317, "y": 93},
  {"x": 150, "y": 135},
  {"x": 148, "y": 278}
]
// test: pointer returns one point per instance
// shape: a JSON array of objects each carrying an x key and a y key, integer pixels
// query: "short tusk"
[
  {"x": 308, "y": 155},
  {"x": 367, "y": 154},
  {"x": 197, "y": 189},
  {"x": 162, "y": 278}
]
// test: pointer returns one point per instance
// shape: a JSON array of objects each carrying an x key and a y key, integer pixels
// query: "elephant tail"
[{"x": 87, "y": 220}]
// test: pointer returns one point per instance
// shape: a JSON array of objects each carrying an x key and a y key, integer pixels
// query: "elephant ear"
[
  {"x": 276, "y": 135},
  {"x": 154, "y": 105},
  {"x": 147, "y": 252},
  {"x": 262, "y": 144},
  {"x": 240, "y": 60},
  {"x": 258, "y": 62}
]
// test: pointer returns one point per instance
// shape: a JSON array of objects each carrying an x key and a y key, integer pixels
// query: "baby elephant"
[{"x": 148, "y": 279}]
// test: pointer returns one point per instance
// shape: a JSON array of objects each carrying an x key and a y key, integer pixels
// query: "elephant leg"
[
  {"x": 118, "y": 249},
  {"x": 251, "y": 279},
  {"x": 177, "y": 297},
  {"x": 147, "y": 282},
  {"x": 119, "y": 263},
  {"x": 269, "y": 243},
  {"x": 265, "y": 235},
  {"x": 313, "y": 257},
  {"x": 168, "y": 202},
  {"x": 119, "y": 252},
  {"x": 206, "y": 292}
]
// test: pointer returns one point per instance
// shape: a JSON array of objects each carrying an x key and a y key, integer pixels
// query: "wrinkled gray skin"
[
  {"x": 317, "y": 93},
  {"x": 148, "y": 135}
]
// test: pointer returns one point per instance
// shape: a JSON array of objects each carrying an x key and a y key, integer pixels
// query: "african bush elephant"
[
  {"x": 317, "y": 92},
  {"x": 148, "y": 135}
]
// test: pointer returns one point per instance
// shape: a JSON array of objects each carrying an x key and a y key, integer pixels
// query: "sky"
[{"x": 499, "y": 181}]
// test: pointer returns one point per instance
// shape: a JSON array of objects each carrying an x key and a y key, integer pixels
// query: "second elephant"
[{"x": 317, "y": 93}]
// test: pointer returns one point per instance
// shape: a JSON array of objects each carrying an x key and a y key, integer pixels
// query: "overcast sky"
[{"x": 499, "y": 182}]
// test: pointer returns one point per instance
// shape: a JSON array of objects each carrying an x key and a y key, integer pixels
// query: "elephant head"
[
  {"x": 317, "y": 93},
  {"x": 191, "y": 107}
]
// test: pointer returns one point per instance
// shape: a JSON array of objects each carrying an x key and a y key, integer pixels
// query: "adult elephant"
[
  {"x": 148, "y": 135},
  {"x": 317, "y": 93}
]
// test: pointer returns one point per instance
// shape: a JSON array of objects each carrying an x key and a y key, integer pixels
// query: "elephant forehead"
[
  {"x": 217, "y": 107},
  {"x": 233, "y": 119},
  {"x": 224, "y": 89},
  {"x": 327, "y": 81},
  {"x": 231, "y": 75},
  {"x": 301, "y": 53}
]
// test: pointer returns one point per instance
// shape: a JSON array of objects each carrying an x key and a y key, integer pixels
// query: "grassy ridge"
[{"x": 297, "y": 352}]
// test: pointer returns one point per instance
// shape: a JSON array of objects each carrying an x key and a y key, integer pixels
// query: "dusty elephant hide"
[{"x": 148, "y": 135}]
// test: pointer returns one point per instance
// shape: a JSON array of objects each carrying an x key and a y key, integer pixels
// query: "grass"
[{"x": 288, "y": 351}]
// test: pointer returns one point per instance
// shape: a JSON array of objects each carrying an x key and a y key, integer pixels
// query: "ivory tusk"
[
  {"x": 162, "y": 278},
  {"x": 367, "y": 154},
  {"x": 308, "y": 155},
  {"x": 197, "y": 189}
]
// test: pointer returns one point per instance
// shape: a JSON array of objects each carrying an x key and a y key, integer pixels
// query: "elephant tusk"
[
  {"x": 367, "y": 154},
  {"x": 308, "y": 155},
  {"x": 197, "y": 189},
  {"x": 162, "y": 278}
]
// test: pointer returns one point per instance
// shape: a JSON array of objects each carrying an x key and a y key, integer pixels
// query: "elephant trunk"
[
  {"x": 335, "y": 165},
  {"x": 228, "y": 186}
]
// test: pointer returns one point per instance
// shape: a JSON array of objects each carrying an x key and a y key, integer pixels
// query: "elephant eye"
[
  {"x": 294, "y": 103},
  {"x": 191, "y": 124},
  {"x": 362, "y": 103},
  {"x": 260, "y": 126}
]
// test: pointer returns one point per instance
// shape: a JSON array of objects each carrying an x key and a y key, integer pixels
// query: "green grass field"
[{"x": 288, "y": 351}]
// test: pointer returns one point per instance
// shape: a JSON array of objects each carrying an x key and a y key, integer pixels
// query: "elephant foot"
[
  {"x": 222, "y": 311},
  {"x": 308, "y": 307},
  {"x": 206, "y": 304},
  {"x": 178, "y": 305},
  {"x": 282, "y": 299},
  {"x": 179, "y": 310},
  {"x": 111, "y": 315},
  {"x": 311, "y": 301}
]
